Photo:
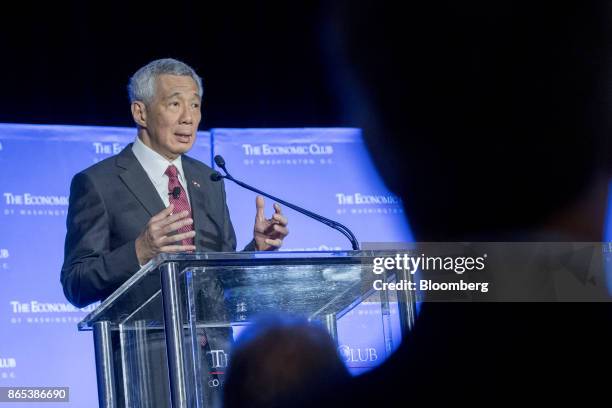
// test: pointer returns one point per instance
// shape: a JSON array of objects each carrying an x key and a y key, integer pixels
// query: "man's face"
[{"x": 172, "y": 118}]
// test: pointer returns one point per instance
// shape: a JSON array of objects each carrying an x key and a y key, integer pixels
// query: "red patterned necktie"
[{"x": 180, "y": 201}]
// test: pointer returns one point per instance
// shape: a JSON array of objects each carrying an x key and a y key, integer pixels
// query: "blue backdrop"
[{"x": 325, "y": 170}]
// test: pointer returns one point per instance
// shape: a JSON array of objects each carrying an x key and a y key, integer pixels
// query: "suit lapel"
[
  {"x": 198, "y": 199},
  {"x": 138, "y": 182}
]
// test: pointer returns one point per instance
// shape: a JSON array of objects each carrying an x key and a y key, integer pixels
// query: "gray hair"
[{"x": 142, "y": 84}]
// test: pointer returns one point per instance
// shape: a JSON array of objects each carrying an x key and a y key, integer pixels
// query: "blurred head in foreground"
[
  {"x": 489, "y": 119},
  {"x": 279, "y": 358}
]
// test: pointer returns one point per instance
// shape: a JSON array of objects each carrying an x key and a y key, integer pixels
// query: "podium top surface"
[{"x": 317, "y": 280}]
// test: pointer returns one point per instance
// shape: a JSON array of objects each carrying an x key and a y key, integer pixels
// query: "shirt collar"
[{"x": 155, "y": 164}]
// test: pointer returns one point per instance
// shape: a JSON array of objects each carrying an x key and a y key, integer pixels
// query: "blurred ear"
[{"x": 139, "y": 113}]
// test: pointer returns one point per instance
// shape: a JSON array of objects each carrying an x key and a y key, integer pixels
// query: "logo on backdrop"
[
  {"x": 359, "y": 203},
  {"x": 35, "y": 312},
  {"x": 34, "y": 205},
  {"x": 31, "y": 199},
  {"x": 294, "y": 154},
  {"x": 287, "y": 150},
  {"x": 103, "y": 150},
  {"x": 358, "y": 355},
  {"x": 218, "y": 358},
  {"x": 8, "y": 362},
  {"x": 7, "y": 365},
  {"x": 107, "y": 149}
]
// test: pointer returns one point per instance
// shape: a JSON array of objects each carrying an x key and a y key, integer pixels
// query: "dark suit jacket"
[{"x": 110, "y": 205}]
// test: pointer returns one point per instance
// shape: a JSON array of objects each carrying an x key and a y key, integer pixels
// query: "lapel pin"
[{"x": 195, "y": 183}]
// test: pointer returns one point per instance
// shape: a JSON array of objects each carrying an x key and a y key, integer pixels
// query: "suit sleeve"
[
  {"x": 229, "y": 243},
  {"x": 92, "y": 270}
]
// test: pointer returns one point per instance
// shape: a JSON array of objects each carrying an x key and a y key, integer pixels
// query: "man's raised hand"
[{"x": 158, "y": 236}]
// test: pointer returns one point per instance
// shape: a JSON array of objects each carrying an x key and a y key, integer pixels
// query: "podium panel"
[{"x": 164, "y": 338}]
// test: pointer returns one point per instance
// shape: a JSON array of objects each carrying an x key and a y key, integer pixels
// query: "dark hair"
[{"x": 279, "y": 358}]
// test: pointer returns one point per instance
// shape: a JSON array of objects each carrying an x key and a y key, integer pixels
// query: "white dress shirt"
[{"x": 155, "y": 166}]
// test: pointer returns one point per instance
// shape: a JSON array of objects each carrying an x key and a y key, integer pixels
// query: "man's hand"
[
  {"x": 269, "y": 233},
  {"x": 156, "y": 236}
]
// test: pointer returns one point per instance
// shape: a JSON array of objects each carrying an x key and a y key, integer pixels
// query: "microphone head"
[
  {"x": 216, "y": 176},
  {"x": 176, "y": 192},
  {"x": 219, "y": 161}
]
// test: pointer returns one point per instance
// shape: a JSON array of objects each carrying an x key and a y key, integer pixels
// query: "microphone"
[
  {"x": 175, "y": 193},
  {"x": 216, "y": 176}
]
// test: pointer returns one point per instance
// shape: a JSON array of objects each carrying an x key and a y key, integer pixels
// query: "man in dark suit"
[{"x": 151, "y": 198}]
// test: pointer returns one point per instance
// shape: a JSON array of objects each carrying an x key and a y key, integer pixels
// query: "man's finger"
[
  {"x": 174, "y": 217},
  {"x": 275, "y": 229},
  {"x": 163, "y": 213},
  {"x": 260, "y": 204},
  {"x": 177, "y": 237},
  {"x": 280, "y": 218},
  {"x": 169, "y": 219},
  {"x": 176, "y": 225},
  {"x": 277, "y": 208},
  {"x": 274, "y": 242},
  {"x": 281, "y": 230}
]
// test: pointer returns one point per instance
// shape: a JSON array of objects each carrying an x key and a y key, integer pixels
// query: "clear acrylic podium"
[{"x": 164, "y": 337}]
